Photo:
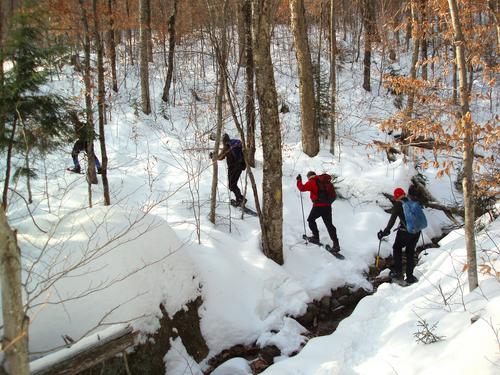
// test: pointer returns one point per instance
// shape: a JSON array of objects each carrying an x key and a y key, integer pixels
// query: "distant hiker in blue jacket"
[
  {"x": 232, "y": 151},
  {"x": 403, "y": 239}
]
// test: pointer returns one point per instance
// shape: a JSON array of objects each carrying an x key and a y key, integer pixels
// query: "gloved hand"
[
  {"x": 299, "y": 177},
  {"x": 383, "y": 233},
  {"x": 211, "y": 155}
]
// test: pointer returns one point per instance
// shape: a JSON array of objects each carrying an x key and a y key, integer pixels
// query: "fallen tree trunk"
[
  {"x": 92, "y": 355},
  {"x": 419, "y": 192},
  {"x": 101, "y": 356},
  {"x": 424, "y": 196}
]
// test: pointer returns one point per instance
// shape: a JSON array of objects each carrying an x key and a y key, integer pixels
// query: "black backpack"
[
  {"x": 326, "y": 190},
  {"x": 237, "y": 151}
]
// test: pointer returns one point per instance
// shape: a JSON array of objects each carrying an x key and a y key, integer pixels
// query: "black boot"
[
  {"x": 336, "y": 248},
  {"x": 75, "y": 169},
  {"x": 241, "y": 201},
  {"x": 411, "y": 279},
  {"x": 396, "y": 275},
  {"x": 313, "y": 239}
]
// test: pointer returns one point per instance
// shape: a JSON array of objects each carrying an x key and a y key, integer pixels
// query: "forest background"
[{"x": 445, "y": 101}]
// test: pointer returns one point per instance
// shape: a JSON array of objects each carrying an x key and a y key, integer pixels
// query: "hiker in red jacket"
[{"x": 319, "y": 209}]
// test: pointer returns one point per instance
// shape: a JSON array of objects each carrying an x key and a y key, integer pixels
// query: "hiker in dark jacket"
[
  {"x": 81, "y": 145},
  {"x": 403, "y": 239},
  {"x": 232, "y": 151},
  {"x": 323, "y": 210}
]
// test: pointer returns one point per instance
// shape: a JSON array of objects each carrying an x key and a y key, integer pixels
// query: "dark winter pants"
[
  {"x": 78, "y": 147},
  {"x": 324, "y": 212},
  {"x": 409, "y": 241},
  {"x": 233, "y": 177}
]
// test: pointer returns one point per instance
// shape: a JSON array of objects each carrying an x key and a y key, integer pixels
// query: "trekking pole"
[
  {"x": 378, "y": 253},
  {"x": 229, "y": 206},
  {"x": 303, "y": 217},
  {"x": 423, "y": 244}
]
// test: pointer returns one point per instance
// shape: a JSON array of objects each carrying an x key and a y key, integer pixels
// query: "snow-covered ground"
[
  {"x": 91, "y": 268},
  {"x": 379, "y": 336}
]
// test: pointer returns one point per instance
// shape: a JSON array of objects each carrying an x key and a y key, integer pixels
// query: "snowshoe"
[
  {"x": 245, "y": 209},
  {"x": 328, "y": 248},
  {"x": 335, "y": 251}
]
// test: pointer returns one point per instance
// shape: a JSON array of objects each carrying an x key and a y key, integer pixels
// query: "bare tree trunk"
[
  {"x": 454, "y": 78},
  {"x": 221, "y": 51},
  {"x": 240, "y": 23},
  {"x": 344, "y": 21},
  {"x": 28, "y": 172},
  {"x": 413, "y": 75},
  {"x": 408, "y": 30},
  {"x": 15, "y": 322},
  {"x": 8, "y": 166},
  {"x": 272, "y": 228},
  {"x": 129, "y": 34},
  {"x": 309, "y": 126},
  {"x": 249, "y": 82},
  {"x": 101, "y": 96},
  {"x": 468, "y": 148},
  {"x": 2, "y": 73},
  {"x": 369, "y": 25},
  {"x": 471, "y": 77},
  {"x": 111, "y": 46},
  {"x": 317, "y": 75},
  {"x": 333, "y": 76},
  {"x": 423, "y": 52},
  {"x": 494, "y": 6},
  {"x": 144, "y": 68},
  {"x": 215, "y": 152},
  {"x": 87, "y": 80},
  {"x": 414, "y": 56},
  {"x": 149, "y": 31},
  {"x": 171, "y": 49}
]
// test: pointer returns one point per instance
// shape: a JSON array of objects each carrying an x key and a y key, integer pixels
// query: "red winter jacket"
[{"x": 312, "y": 186}]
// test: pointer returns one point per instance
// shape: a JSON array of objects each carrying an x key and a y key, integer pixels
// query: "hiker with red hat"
[
  {"x": 405, "y": 238},
  {"x": 322, "y": 194}
]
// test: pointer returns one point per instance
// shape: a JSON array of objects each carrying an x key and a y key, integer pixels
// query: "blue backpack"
[{"x": 414, "y": 216}]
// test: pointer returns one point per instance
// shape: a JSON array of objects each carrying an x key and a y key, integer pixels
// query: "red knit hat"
[{"x": 398, "y": 193}]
